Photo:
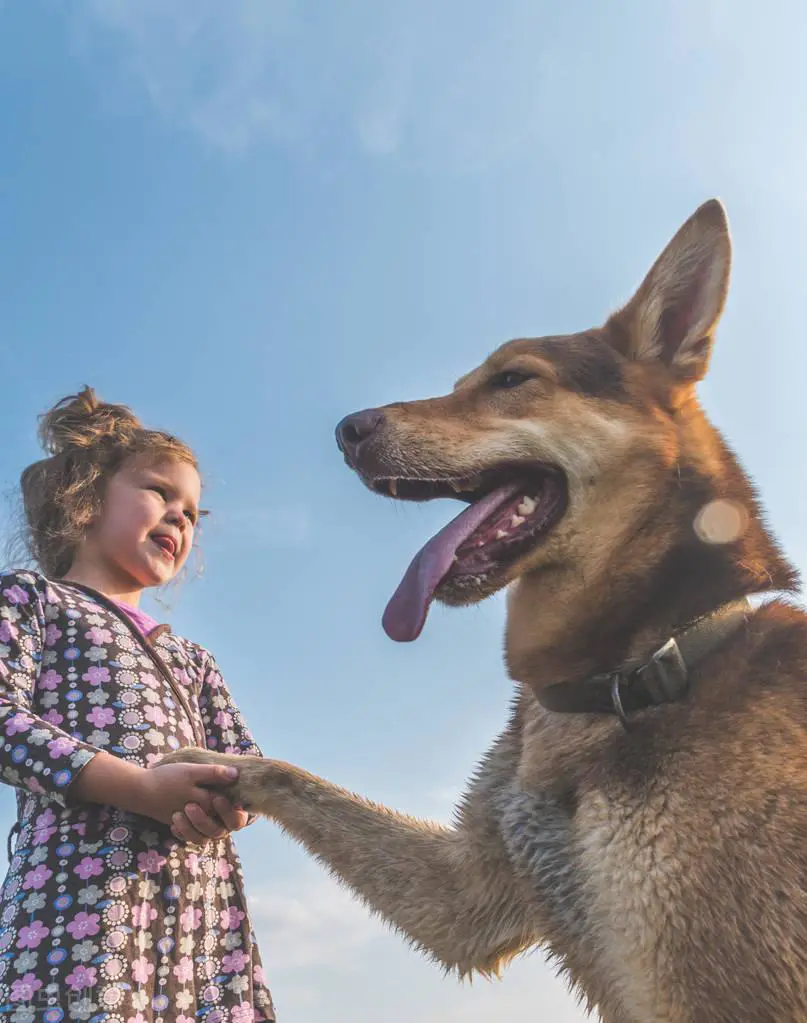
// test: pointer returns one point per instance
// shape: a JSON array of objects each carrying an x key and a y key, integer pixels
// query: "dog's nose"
[{"x": 356, "y": 429}]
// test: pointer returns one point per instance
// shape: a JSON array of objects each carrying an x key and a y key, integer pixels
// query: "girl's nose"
[{"x": 175, "y": 517}]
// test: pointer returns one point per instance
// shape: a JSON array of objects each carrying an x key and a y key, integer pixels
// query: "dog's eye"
[{"x": 509, "y": 379}]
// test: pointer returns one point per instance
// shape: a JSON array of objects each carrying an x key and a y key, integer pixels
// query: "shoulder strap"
[{"x": 148, "y": 646}]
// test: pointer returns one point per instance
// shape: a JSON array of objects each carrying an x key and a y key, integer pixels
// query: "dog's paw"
[{"x": 195, "y": 755}]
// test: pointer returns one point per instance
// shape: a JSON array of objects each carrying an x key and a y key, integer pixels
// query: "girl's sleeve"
[
  {"x": 34, "y": 754},
  {"x": 225, "y": 729}
]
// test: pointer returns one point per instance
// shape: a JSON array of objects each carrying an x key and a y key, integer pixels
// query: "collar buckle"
[{"x": 666, "y": 675}]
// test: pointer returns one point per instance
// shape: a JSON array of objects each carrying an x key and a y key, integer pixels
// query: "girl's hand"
[
  {"x": 199, "y": 827},
  {"x": 179, "y": 795}
]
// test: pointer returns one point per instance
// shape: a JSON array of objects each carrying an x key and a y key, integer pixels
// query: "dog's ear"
[{"x": 672, "y": 317}]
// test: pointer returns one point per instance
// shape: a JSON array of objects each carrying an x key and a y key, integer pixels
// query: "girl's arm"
[{"x": 35, "y": 754}]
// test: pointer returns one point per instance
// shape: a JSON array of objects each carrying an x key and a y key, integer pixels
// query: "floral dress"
[{"x": 104, "y": 916}]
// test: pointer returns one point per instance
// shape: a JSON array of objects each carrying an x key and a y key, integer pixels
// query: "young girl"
[{"x": 124, "y": 900}]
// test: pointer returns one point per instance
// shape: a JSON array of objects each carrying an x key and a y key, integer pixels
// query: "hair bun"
[{"x": 82, "y": 420}]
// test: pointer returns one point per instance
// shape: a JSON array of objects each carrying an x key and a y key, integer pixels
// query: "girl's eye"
[
  {"x": 509, "y": 379},
  {"x": 158, "y": 490},
  {"x": 190, "y": 517}
]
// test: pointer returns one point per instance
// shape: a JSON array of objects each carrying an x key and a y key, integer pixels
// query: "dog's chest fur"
[{"x": 603, "y": 870}]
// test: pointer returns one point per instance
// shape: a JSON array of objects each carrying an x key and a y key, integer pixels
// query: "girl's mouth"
[{"x": 166, "y": 544}]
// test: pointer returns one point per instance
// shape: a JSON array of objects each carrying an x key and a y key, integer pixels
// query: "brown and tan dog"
[{"x": 643, "y": 817}]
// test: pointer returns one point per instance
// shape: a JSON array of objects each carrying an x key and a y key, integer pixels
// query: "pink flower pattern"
[
  {"x": 115, "y": 897},
  {"x": 90, "y": 866},
  {"x": 190, "y": 918},
  {"x": 98, "y": 637},
  {"x": 32, "y": 935},
  {"x": 150, "y": 862},
  {"x": 142, "y": 914},
  {"x": 60, "y": 746},
  {"x": 16, "y": 595},
  {"x": 183, "y": 970},
  {"x": 50, "y": 679},
  {"x": 24, "y": 988},
  {"x": 142, "y": 969},
  {"x": 231, "y": 918},
  {"x": 156, "y": 715},
  {"x": 84, "y": 924},
  {"x": 17, "y": 723},
  {"x": 52, "y": 634},
  {"x": 101, "y": 716},
  {"x": 37, "y": 877},
  {"x": 95, "y": 675},
  {"x": 234, "y": 962},
  {"x": 82, "y": 977}
]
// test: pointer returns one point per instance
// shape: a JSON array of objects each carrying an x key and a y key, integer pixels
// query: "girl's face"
[{"x": 144, "y": 533}]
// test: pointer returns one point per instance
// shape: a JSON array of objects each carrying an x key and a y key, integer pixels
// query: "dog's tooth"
[
  {"x": 500, "y": 534},
  {"x": 393, "y": 487},
  {"x": 516, "y": 521},
  {"x": 527, "y": 506}
]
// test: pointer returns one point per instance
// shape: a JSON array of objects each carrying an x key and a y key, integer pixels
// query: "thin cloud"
[
  {"x": 320, "y": 925},
  {"x": 310, "y": 927},
  {"x": 381, "y": 119},
  {"x": 214, "y": 68},
  {"x": 437, "y": 86}
]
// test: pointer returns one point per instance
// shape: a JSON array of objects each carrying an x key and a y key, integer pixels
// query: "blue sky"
[{"x": 248, "y": 219}]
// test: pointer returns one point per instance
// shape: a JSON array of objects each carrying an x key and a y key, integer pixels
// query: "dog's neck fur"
[{"x": 566, "y": 625}]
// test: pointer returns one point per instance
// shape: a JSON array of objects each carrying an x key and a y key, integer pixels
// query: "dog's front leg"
[{"x": 444, "y": 890}]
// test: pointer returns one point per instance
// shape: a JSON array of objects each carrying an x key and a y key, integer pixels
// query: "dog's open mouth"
[{"x": 511, "y": 508}]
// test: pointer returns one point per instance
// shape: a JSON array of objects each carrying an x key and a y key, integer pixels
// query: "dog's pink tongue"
[{"x": 406, "y": 612}]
